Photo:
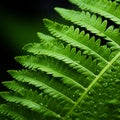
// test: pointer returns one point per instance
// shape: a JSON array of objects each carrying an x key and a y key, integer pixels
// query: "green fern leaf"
[
  {"x": 93, "y": 24},
  {"x": 78, "y": 40},
  {"x": 50, "y": 66},
  {"x": 105, "y": 8},
  {"x": 71, "y": 74},
  {"x": 31, "y": 101},
  {"x": 26, "y": 76},
  {"x": 66, "y": 54},
  {"x": 15, "y": 86},
  {"x": 7, "y": 110}
]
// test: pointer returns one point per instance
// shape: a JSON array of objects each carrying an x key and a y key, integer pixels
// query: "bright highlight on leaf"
[{"x": 74, "y": 72}]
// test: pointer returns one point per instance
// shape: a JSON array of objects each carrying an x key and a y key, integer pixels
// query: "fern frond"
[
  {"x": 67, "y": 54},
  {"x": 92, "y": 23},
  {"x": 15, "y": 86},
  {"x": 69, "y": 75},
  {"x": 80, "y": 40},
  {"x": 7, "y": 111},
  {"x": 30, "y": 101},
  {"x": 106, "y": 68},
  {"x": 54, "y": 67},
  {"x": 105, "y": 8},
  {"x": 103, "y": 91},
  {"x": 45, "y": 39},
  {"x": 48, "y": 86}
]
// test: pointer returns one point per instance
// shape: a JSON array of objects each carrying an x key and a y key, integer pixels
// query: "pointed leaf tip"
[
  {"x": 27, "y": 46},
  {"x": 10, "y": 71},
  {"x": 59, "y": 10},
  {"x": 47, "y": 22}
]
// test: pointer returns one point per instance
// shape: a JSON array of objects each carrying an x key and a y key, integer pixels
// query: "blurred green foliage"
[{"x": 18, "y": 32}]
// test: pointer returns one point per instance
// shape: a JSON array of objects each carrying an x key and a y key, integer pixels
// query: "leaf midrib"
[
  {"x": 78, "y": 44},
  {"x": 92, "y": 84},
  {"x": 39, "y": 84},
  {"x": 42, "y": 68},
  {"x": 26, "y": 102},
  {"x": 98, "y": 32},
  {"x": 62, "y": 57},
  {"x": 49, "y": 70}
]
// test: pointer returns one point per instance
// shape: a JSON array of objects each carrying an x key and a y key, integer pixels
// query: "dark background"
[{"x": 19, "y": 23}]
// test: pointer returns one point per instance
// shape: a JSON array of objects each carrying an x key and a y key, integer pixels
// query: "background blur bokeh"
[{"x": 19, "y": 23}]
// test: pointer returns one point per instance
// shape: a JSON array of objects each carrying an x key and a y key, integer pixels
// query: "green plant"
[{"x": 74, "y": 75}]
